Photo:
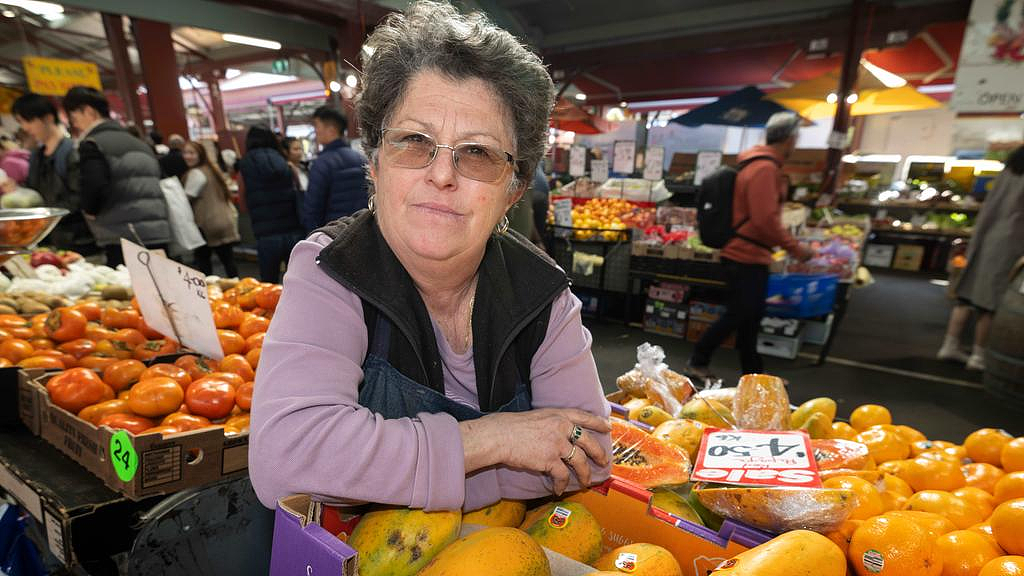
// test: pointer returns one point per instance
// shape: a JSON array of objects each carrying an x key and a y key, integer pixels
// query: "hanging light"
[
  {"x": 852, "y": 98},
  {"x": 335, "y": 86},
  {"x": 581, "y": 96},
  {"x": 47, "y": 10},
  {"x": 351, "y": 81},
  {"x": 888, "y": 79},
  {"x": 832, "y": 98},
  {"x": 250, "y": 41}
]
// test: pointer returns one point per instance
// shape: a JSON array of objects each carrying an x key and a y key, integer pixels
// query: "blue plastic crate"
[{"x": 800, "y": 295}]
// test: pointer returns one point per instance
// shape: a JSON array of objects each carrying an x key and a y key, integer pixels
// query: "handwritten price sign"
[{"x": 756, "y": 457}]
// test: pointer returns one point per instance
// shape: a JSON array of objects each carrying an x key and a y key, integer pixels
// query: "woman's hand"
[{"x": 536, "y": 440}]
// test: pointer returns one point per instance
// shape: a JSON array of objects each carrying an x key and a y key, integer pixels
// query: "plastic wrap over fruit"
[
  {"x": 651, "y": 378},
  {"x": 646, "y": 460},
  {"x": 723, "y": 395},
  {"x": 780, "y": 509},
  {"x": 761, "y": 403}
]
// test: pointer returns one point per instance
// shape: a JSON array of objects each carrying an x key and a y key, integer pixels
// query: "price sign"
[
  {"x": 577, "y": 161},
  {"x": 599, "y": 171},
  {"x": 123, "y": 456},
  {"x": 707, "y": 162},
  {"x": 563, "y": 216},
  {"x": 173, "y": 299},
  {"x": 756, "y": 457},
  {"x": 654, "y": 163},
  {"x": 624, "y": 157}
]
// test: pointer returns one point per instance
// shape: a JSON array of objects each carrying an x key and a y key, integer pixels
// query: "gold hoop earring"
[{"x": 502, "y": 226}]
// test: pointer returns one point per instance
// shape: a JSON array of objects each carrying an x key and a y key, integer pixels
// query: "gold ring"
[{"x": 571, "y": 454}]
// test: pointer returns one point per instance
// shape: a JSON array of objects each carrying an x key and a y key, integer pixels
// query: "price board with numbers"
[{"x": 756, "y": 458}]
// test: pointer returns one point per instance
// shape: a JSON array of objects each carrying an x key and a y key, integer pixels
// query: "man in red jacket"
[{"x": 759, "y": 193}]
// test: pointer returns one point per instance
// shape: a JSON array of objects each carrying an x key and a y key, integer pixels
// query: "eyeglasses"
[{"x": 412, "y": 149}]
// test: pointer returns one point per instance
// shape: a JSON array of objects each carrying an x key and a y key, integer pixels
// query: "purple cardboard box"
[{"x": 302, "y": 547}]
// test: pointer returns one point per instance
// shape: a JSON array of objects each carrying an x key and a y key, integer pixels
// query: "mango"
[
  {"x": 709, "y": 412},
  {"x": 818, "y": 426},
  {"x": 686, "y": 434},
  {"x": 823, "y": 405},
  {"x": 652, "y": 416}
]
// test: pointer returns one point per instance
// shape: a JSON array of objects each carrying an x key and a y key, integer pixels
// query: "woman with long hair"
[{"x": 214, "y": 210}]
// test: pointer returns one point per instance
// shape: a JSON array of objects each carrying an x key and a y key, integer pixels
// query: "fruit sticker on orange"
[
  {"x": 756, "y": 458},
  {"x": 873, "y": 561},
  {"x": 626, "y": 562},
  {"x": 560, "y": 517},
  {"x": 123, "y": 456}
]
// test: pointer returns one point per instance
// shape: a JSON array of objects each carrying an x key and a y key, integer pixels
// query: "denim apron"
[{"x": 388, "y": 392}]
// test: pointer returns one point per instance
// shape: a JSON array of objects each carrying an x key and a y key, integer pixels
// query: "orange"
[
  {"x": 893, "y": 467},
  {"x": 963, "y": 514},
  {"x": 945, "y": 455},
  {"x": 841, "y": 536},
  {"x": 842, "y": 431},
  {"x": 1009, "y": 487},
  {"x": 934, "y": 524},
  {"x": 982, "y": 475},
  {"x": 926, "y": 474},
  {"x": 869, "y": 501},
  {"x": 1008, "y": 526},
  {"x": 910, "y": 435},
  {"x": 916, "y": 448},
  {"x": 893, "y": 546},
  {"x": 897, "y": 485},
  {"x": 884, "y": 444},
  {"x": 866, "y": 416},
  {"x": 964, "y": 552},
  {"x": 986, "y": 445},
  {"x": 1004, "y": 566},
  {"x": 1012, "y": 456},
  {"x": 978, "y": 497},
  {"x": 892, "y": 501}
]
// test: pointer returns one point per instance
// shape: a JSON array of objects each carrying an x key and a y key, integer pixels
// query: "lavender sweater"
[{"x": 310, "y": 435}]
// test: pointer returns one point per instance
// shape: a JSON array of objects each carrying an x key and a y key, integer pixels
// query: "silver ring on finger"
[
  {"x": 577, "y": 433},
  {"x": 572, "y": 453}
]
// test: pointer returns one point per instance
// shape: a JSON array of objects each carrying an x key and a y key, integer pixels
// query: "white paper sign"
[
  {"x": 599, "y": 171},
  {"x": 990, "y": 74},
  {"x": 654, "y": 163},
  {"x": 563, "y": 216},
  {"x": 173, "y": 299},
  {"x": 577, "y": 161},
  {"x": 707, "y": 162},
  {"x": 624, "y": 157}
]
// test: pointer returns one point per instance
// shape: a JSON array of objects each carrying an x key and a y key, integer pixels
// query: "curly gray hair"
[{"x": 432, "y": 36}]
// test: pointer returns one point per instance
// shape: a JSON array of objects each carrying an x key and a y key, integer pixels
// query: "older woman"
[{"x": 421, "y": 355}]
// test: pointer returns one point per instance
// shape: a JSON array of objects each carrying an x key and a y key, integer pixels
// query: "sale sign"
[{"x": 756, "y": 458}]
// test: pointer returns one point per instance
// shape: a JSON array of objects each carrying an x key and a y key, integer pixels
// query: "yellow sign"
[{"x": 53, "y": 77}]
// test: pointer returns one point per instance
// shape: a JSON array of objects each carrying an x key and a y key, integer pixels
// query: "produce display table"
[{"x": 89, "y": 529}]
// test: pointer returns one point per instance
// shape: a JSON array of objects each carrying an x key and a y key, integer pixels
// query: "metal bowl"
[{"x": 23, "y": 228}]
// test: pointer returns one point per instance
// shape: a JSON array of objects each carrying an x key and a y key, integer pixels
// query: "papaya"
[
  {"x": 818, "y": 426},
  {"x": 707, "y": 517},
  {"x": 645, "y": 460},
  {"x": 723, "y": 395},
  {"x": 640, "y": 559},
  {"x": 796, "y": 553},
  {"x": 673, "y": 503},
  {"x": 710, "y": 412},
  {"x": 825, "y": 406},
  {"x": 569, "y": 529},
  {"x": 781, "y": 509},
  {"x": 401, "y": 541},
  {"x": 503, "y": 551},
  {"x": 633, "y": 406},
  {"x": 502, "y": 513},
  {"x": 761, "y": 403},
  {"x": 652, "y": 416},
  {"x": 838, "y": 454},
  {"x": 686, "y": 434}
]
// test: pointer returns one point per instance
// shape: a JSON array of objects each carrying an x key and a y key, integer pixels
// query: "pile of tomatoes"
[{"x": 102, "y": 355}]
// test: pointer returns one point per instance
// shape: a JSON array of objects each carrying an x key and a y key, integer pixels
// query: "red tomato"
[
  {"x": 243, "y": 396},
  {"x": 78, "y": 348},
  {"x": 148, "y": 331},
  {"x": 91, "y": 310},
  {"x": 230, "y": 377},
  {"x": 231, "y": 342},
  {"x": 42, "y": 363},
  {"x": 115, "y": 318},
  {"x": 115, "y": 348},
  {"x": 227, "y": 315},
  {"x": 96, "y": 412},
  {"x": 97, "y": 362},
  {"x": 210, "y": 397},
  {"x": 196, "y": 366},
  {"x": 122, "y": 374},
  {"x": 130, "y": 422},
  {"x": 253, "y": 357},
  {"x": 163, "y": 430},
  {"x": 42, "y": 343},
  {"x": 255, "y": 341},
  {"x": 131, "y": 337},
  {"x": 16, "y": 349},
  {"x": 96, "y": 332},
  {"x": 253, "y": 324},
  {"x": 5, "y": 363},
  {"x": 177, "y": 373},
  {"x": 77, "y": 388},
  {"x": 155, "y": 397},
  {"x": 185, "y": 422},
  {"x": 269, "y": 296},
  {"x": 154, "y": 348},
  {"x": 241, "y": 422},
  {"x": 65, "y": 324},
  {"x": 237, "y": 364}
]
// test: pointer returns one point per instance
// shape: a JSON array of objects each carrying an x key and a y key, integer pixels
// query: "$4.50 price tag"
[
  {"x": 123, "y": 456},
  {"x": 757, "y": 457}
]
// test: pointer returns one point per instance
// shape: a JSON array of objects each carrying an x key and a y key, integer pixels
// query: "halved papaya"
[
  {"x": 780, "y": 509},
  {"x": 645, "y": 460},
  {"x": 836, "y": 454}
]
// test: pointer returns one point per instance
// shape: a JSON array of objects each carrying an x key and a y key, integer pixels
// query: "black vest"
[{"x": 516, "y": 287}]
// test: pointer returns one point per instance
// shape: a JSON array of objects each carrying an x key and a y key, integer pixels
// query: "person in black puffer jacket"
[{"x": 271, "y": 198}]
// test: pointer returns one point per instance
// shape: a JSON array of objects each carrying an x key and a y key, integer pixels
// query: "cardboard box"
[
  {"x": 908, "y": 257},
  {"x": 667, "y": 292},
  {"x": 625, "y": 515},
  {"x": 879, "y": 255},
  {"x": 668, "y": 251},
  {"x": 778, "y": 345},
  {"x": 166, "y": 465},
  {"x": 302, "y": 545},
  {"x": 696, "y": 328},
  {"x": 706, "y": 311},
  {"x": 665, "y": 318}
]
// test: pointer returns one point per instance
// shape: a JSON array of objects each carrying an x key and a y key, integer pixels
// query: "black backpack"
[{"x": 714, "y": 206}]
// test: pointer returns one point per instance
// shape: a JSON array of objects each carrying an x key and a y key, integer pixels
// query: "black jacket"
[
  {"x": 270, "y": 193},
  {"x": 173, "y": 164},
  {"x": 517, "y": 285},
  {"x": 337, "y": 185}
]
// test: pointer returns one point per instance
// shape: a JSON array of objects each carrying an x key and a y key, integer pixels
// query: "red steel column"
[
  {"x": 160, "y": 69},
  {"x": 113, "y": 24},
  {"x": 847, "y": 83},
  {"x": 212, "y": 81}
]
